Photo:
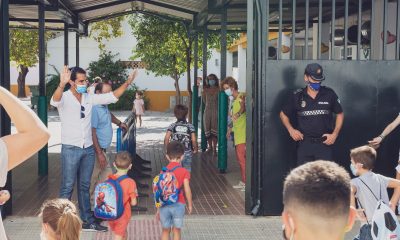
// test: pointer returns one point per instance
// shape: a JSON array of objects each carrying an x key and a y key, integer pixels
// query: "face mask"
[
  {"x": 231, "y": 98},
  {"x": 228, "y": 92},
  {"x": 81, "y": 88},
  {"x": 43, "y": 235},
  {"x": 212, "y": 82},
  {"x": 353, "y": 169},
  {"x": 314, "y": 86}
]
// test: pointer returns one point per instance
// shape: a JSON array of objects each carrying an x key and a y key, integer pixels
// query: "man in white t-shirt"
[
  {"x": 14, "y": 149},
  {"x": 77, "y": 152}
]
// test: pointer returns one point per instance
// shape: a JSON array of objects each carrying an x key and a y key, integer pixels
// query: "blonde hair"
[
  {"x": 123, "y": 160},
  {"x": 61, "y": 215}
]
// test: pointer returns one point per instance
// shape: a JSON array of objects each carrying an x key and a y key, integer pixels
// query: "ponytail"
[
  {"x": 69, "y": 225},
  {"x": 62, "y": 217}
]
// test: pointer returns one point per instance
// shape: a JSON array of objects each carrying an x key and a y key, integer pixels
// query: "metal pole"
[
  {"x": 398, "y": 31},
  {"x": 293, "y": 46},
  {"x": 346, "y": 26},
  {"x": 249, "y": 108},
  {"x": 319, "y": 29},
  {"x": 195, "y": 109},
  {"x": 42, "y": 105},
  {"x": 307, "y": 27},
  {"x": 333, "y": 20},
  {"x": 5, "y": 122},
  {"x": 203, "y": 135},
  {"x": 223, "y": 100},
  {"x": 359, "y": 29},
  {"x": 279, "y": 50},
  {"x": 66, "y": 44},
  {"x": 77, "y": 49},
  {"x": 385, "y": 23}
]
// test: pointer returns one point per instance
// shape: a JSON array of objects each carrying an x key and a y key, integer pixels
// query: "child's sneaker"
[{"x": 240, "y": 185}]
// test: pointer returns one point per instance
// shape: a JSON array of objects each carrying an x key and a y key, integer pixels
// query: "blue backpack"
[
  {"x": 166, "y": 187},
  {"x": 108, "y": 199}
]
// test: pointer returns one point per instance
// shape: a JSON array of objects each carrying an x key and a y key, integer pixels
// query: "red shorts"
[{"x": 119, "y": 226}]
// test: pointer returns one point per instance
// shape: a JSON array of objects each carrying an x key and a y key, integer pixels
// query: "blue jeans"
[
  {"x": 365, "y": 233},
  {"x": 77, "y": 164},
  {"x": 187, "y": 161},
  {"x": 172, "y": 215}
]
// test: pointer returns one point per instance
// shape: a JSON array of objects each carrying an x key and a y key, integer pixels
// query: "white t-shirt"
[{"x": 3, "y": 179}]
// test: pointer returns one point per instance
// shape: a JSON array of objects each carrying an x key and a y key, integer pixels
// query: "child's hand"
[
  {"x": 4, "y": 196},
  {"x": 190, "y": 209},
  {"x": 158, "y": 215}
]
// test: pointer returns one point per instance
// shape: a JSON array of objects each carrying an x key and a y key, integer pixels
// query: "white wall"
[{"x": 123, "y": 46}]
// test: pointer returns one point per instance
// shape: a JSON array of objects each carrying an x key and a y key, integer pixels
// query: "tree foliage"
[
  {"x": 24, "y": 51},
  {"x": 105, "y": 30}
]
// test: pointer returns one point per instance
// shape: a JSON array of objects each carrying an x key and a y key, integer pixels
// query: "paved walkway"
[{"x": 218, "y": 208}]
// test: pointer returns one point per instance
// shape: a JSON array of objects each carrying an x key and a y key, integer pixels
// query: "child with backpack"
[
  {"x": 369, "y": 190},
  {"x": 170, "y": 188},
  {"x": 183, "y": 132},
  {"x": 115, "y": 196}
]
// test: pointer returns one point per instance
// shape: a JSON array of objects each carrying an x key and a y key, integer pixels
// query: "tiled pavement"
[{"x": 218, "y": 208}]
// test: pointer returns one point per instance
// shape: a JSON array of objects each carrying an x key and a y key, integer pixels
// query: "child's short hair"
[
  {"x": 175, "y": 150},
  {"x": 123, "y": 160},
  {"x": 231, "y": 82},
  {"x": 322, "y": 188},
  {"x": 140, "y": 93},
  {"x": 365, "y": 155},
  {"x": 181, "y": 112}
]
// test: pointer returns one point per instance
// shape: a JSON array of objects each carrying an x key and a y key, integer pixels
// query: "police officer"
[{"x": 313, "y": 107}]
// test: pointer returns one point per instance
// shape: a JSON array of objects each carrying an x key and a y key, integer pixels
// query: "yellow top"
[{"x": 239, "y": 126}]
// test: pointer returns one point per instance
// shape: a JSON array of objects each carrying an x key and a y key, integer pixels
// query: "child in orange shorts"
[{"x": 122, "y": 163}]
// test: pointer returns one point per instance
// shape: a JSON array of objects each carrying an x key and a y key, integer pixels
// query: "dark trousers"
[{"x": 311, "y": 150}]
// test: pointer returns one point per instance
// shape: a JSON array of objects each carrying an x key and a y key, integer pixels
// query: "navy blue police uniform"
[{"x": 314, "y": 118}]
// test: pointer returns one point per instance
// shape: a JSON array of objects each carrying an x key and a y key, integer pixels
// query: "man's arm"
[
  {"x": 295, "y": 134},
  {"x": 32, "y": 133},
  {"x": 119, "y": 91},
  {"x": 331, "y": 138},
  {"x": 99, "y": 153},
  {"x": 118, "y": 122},
  {"x": 188, "y": 194},
  {"x": 389, "y": 128}
]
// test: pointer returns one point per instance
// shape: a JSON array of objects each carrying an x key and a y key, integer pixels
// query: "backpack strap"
[
  {"x": 120, "y": 178},
  {"x": 380, "y": 190},
  {"x": 165, "y": 169},
  {"x": 365, "y": 215}
]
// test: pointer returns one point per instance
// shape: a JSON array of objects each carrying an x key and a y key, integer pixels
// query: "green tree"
[
  {"x": 24, "y": 51},
  {"x": 106, "y": 30},
  {"x": 166, "y": 46}
]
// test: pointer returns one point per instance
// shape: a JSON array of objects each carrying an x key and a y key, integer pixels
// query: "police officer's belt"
[{"x": 313, "y": 113}]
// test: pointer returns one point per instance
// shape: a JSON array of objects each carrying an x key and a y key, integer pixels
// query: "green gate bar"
[{"x": 204, "y": 62}]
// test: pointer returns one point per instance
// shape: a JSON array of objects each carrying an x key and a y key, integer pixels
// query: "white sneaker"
[
  {"x": 240, "y": 185},
  {"x": 243, "y": 189}
]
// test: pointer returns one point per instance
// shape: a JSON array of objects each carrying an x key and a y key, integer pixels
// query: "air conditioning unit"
[
  {"x": 172, "y": 101},
  {"x": 351, "y": 53}
]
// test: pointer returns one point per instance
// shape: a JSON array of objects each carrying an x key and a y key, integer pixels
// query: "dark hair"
[
  {"x": 212, "y": 76},
  {"x": 323, "y": 187},
  {"x": 123, "y": 160},
  {"x": 365, "y": 155},
  {"x": 231, "y": 82},
  {"x": 99, "y": 87},
  {"x": 75, "y": 71},
  {"x": 181, "y": 112},
  {"x": 175, "y": 150},
  {"x": 140, "y": 93}
]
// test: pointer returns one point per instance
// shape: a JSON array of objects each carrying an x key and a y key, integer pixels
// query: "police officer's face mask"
[{"x": 314, "y": 86}]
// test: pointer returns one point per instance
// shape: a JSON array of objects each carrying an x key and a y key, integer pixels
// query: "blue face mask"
[
  {"x": 353, "y": 169},
  {"x": 212, "y": 82},
  {"x": 228, "y": 92},
  {"x": 81, "y": 88},
  {"x": 314, "y": 86}
]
